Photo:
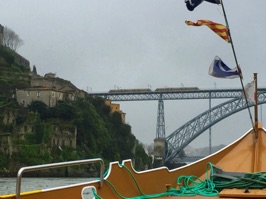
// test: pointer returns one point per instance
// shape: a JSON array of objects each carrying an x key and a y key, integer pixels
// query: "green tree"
[
  {"x": 38, "y": 130},
  {"x": 99, "y": 134},
  {"x": 39, "y": 107},
  {"x": 91, "y": 127},
  {"x": 34, "y": 70},
  {"x": 142, "y": 160},
  {"x": 65, "y": 111},
  {"x": 7, "y": 55}
]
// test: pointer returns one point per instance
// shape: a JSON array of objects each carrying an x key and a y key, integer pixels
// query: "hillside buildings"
[
  {"x": 50, "y": 90},
  {"x": 116, "y": 108}
]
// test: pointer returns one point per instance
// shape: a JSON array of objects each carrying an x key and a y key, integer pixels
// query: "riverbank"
[
  {"x": 8, "y": 185},
  {"x": 65, "y": 172}
]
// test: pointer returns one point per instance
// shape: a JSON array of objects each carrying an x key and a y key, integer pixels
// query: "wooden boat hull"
[{"x": 247, "y": 154}]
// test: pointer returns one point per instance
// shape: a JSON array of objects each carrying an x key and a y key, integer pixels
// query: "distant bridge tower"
[
  {"x": 159, "y": 141},
  {"x": 160, "y": 129}
]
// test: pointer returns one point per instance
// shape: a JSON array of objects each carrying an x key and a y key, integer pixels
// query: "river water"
[{"x": 8, "y": 185}]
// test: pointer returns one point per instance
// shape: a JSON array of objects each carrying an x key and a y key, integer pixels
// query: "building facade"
[
  {"x": 48, "y": 89},
  {"x": 46, "y": 95},
  {"x": 116, "y": 108}
]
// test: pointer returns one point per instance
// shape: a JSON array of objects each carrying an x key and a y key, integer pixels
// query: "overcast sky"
[{"x": 100, "y": 45}]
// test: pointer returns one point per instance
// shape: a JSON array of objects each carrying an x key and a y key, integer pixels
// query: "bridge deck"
[{"x": 174, "y": 95}]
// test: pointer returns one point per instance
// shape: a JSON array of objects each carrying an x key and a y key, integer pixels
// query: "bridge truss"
[
  {"x": 185, "y": 134},
  {"x": 171, "y": 95},
  {"x": 181, "y": 137}
]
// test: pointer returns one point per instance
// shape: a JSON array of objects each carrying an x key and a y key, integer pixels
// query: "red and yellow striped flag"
[{"x": 219, "y": 29}]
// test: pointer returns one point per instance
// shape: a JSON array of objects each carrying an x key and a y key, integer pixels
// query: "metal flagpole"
[
  {"x": 238, "y": 68},
  {"x": 256, "y": 137},
  {"x": 256, "y": 105}
]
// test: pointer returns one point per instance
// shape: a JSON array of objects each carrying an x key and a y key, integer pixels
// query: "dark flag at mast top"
[{"x": 191, "y": 4}]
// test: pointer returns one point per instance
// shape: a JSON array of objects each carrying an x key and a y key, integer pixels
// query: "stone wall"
[
  {"x": 60, "y": 137},
  {"x": 64, "y": 136},
  {"x": 22, "y": 61}
]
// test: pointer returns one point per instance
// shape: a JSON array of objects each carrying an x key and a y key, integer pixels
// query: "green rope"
[
  {"x": 192, "y": 185},
  {"x": 172, "y": 192},
  {"x": 184, "y": 190},
  {"x": 96, "y": 195},
  {"x": 249, "y": 180}
]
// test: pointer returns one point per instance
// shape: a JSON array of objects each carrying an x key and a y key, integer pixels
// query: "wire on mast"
[{"x": 238, "y": 68}]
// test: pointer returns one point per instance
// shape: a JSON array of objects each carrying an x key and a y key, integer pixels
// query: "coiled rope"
[
  {"x": 249, "y": 180},
  {"x": 192, "y": 185}
]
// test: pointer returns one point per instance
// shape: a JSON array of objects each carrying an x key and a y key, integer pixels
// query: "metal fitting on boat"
[{"x": 168, "y": 186}]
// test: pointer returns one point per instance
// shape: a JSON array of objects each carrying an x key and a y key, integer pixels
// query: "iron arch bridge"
[{"x": 181, "y": 137}]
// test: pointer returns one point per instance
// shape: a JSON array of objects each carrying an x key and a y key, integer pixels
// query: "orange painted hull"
[{"x": 247, "y": 154}]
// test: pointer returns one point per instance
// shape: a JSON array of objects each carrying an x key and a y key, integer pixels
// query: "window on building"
[
  {"x": 38, "y": 93},
  {"x": 53, "y": 94},
  {"x": 28, "y": 93}
]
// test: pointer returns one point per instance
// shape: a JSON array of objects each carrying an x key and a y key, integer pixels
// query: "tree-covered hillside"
[
  {"x": 12, "y": 74},
  {"x": 99, "y": 133}
]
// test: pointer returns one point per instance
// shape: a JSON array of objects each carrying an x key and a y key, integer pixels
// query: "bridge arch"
[{"x": 185, "y": 134}]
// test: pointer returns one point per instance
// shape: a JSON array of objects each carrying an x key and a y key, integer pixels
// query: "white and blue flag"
[{"x": 220, "y": 70}]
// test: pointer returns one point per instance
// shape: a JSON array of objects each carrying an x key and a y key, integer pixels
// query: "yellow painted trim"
[{"x": 22, "y": 194}]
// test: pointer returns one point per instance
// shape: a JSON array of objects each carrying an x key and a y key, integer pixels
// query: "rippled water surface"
[{"x": 8, "y": 185}]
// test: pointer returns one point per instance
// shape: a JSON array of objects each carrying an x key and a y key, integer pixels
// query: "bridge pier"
[
  {"x": 159, "y": 141},
  {"x": 159, "y": 152}
]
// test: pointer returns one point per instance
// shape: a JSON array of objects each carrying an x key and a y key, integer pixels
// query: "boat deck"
[
  {"x": 228, "y": 194},
  {"x": 245, "y": 155},
  {"x": 186, "y": 197}
]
